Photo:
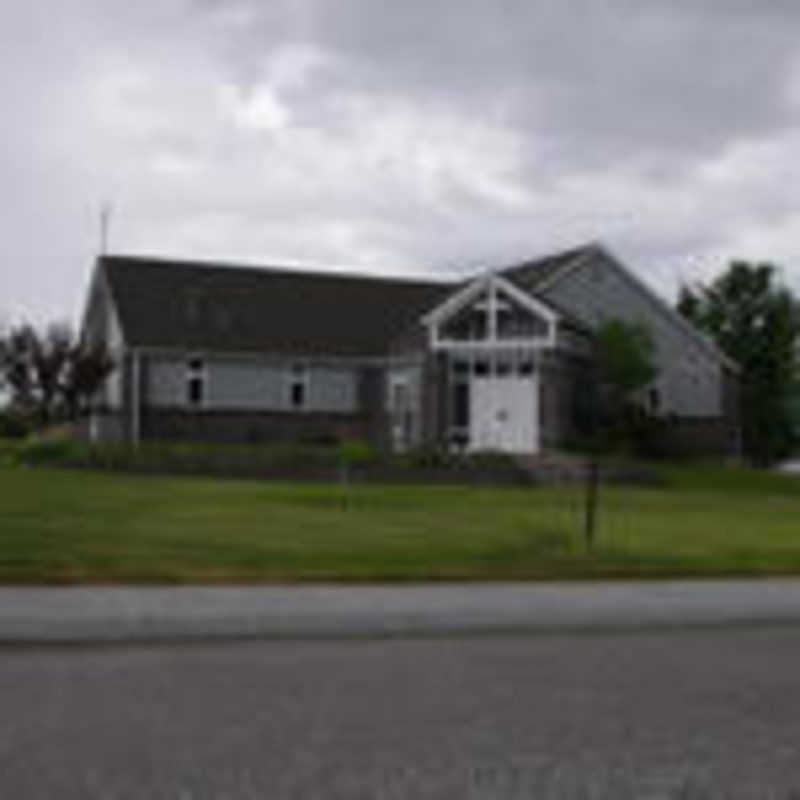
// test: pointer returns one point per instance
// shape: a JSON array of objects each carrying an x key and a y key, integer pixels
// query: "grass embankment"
[{"x": 79, "y": 526}]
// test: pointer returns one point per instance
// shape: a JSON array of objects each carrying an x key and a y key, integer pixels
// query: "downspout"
[{"x": 136, "y": 420}]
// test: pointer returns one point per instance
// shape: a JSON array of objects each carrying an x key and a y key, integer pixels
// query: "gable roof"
[
  {"x": 700, "y": 338},
  {"x": 202, "y": 306},
  {"x": 213, "y": 307},
  {"x": 538, "y": 275}
]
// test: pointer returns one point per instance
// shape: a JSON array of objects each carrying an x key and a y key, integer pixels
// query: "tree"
[
  {"x": 16, "y": 350},
  {"x": 756, "y": 324},
  {"x": 50, "y": 375},
  {"x": 623, "y": 364},
  {"x": 624, "y": 354},
  {"x": 88, "y": 366},
  {"x": 609, "y": 403}
]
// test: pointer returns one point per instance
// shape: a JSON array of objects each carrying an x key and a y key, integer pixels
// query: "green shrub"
[
  {"x": 13, "y": 426},
  {"x": 355, "y": 452},
  {"x": 9, "y": 451},
  {"x": 427, "y": 457},
  {"x": 52, "y": 450},
  {"x": 228, "y": 459},
  {"x": 487, "y": 460}
]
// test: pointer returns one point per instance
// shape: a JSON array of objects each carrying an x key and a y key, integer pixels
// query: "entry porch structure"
[{"x": 509, "y": 364}]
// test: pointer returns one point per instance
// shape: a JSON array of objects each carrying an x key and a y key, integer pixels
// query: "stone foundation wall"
[
  {"x": 701, "y": 436},
  {"x": 252, "y": 427}
]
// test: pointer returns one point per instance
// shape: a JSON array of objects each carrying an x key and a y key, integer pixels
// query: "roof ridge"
[
  {"x": 272, "y": 269},
  {"x": 567, "y": 253}
]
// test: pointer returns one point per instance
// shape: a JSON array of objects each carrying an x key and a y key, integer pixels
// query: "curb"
[{"x": 116, "y": 615}]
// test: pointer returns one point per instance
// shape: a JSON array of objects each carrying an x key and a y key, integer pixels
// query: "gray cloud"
[
  {"x": 404, "y": 136},
  {"x": 600, "y": 78}
]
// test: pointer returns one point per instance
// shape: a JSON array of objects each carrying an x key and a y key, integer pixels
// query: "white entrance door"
[{"x": 504, "y": 413}]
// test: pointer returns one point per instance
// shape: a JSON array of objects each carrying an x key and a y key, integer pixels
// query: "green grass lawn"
[{"x": 61, "y": 525}]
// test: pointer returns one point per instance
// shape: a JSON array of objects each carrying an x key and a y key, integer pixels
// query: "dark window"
[
  {"x": 298, "y": 385},
  {"x": 526, "y": 368},
  {"x": 298, "y": 394},
  {"x": 467, "y": 324},
  {"x": 481, "y": 367},
  {"x": 461, "y": 405},
  {"x": 195, "y": 390},
  {"x": 514, "y": 321},
  {"x": 195, "y": 381}
]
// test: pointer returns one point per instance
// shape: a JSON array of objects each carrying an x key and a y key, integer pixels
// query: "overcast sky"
[{"x": 401, "y": 137}]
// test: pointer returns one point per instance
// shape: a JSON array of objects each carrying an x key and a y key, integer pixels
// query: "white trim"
[
  {"x": 401, "y": 419},
  {"x": 533, "y": 304},
  {"x": 490, "y": 280},
  {"x": 491, "y": 310},
  {"x": 499, "y": 345},
  {"x": 492, "y": 284},
  {"x": 395, "y": 380},
  {"x": 456, "y": 301}
]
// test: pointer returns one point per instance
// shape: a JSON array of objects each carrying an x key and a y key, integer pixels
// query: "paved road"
[
  {"x": 138, "y": 614},
  {"x": 690, "y": 715}
]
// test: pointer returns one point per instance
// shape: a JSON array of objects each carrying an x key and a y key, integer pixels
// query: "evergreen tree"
[{"x": 756, "y": 323}]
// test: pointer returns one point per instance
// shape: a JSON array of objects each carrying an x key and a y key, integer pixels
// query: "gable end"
[{"x": 653, "y": 300}]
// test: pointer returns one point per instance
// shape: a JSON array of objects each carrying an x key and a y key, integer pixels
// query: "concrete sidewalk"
[{"x": 120, "y": 614}]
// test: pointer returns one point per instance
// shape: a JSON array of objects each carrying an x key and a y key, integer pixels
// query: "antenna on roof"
[{"x": 105, "y": 224}]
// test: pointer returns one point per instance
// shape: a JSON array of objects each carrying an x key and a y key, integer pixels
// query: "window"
[
  {"x": 195, "y": 382},
  {"x": 525, "y": 367},
  {"x": 298, "y": 398},
  {"x": 469, "y": 323},
  {"x": 514, "y": 321},
  {"x": 298, "y": 387},
  {"x": 195, "y": 391},
  {"x": 461, "y": 405},
  {"x": 491, "y": 312}
]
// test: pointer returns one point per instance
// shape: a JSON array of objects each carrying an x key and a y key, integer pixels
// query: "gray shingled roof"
[
  {"x": 214, "y": 307},
  {"x": 530, "y": 275},
  {"x": 202, "y": 306}
]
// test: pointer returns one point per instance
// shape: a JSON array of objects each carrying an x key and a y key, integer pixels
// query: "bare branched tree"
[{"x": 52, "y": 375}]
